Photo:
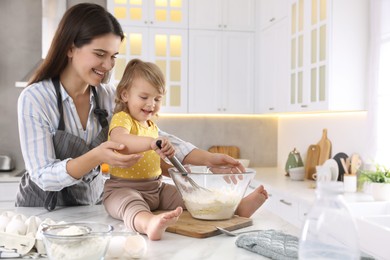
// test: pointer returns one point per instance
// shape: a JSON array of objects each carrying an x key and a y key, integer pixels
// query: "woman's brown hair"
[
  {"x": 137, "y": 68},
  {"x": 79, "y": 26}
]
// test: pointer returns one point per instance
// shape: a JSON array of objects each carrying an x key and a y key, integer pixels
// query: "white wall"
[{"x": 346, "y": 131}]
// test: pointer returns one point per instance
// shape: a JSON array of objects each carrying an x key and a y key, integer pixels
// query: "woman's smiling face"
[{"x": 93, "y": 61}]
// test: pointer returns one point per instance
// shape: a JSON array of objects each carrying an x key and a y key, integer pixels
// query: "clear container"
[
  {"x": 77, "y": 241},
  {"x": 329, "y": 231},
  {"x": 105, "y": 171}
]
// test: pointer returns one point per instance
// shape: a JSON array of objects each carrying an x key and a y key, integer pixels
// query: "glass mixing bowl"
[
  {"x": 75, "y": 241},
  {"x": 221, "y": 190}
]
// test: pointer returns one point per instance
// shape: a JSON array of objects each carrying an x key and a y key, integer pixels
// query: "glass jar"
[{"x": 329, "y": 231}]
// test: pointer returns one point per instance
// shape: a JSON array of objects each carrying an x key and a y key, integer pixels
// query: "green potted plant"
[{"x": 379, "y": 181}]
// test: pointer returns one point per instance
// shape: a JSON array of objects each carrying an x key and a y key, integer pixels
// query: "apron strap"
[
  {"x": 50, "y": 200},
  {"x": 56, "y": 83},
  {"x": 101, "y": 113}
]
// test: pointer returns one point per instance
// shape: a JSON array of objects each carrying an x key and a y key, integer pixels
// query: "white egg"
[
  {"x": 16, "y": 226},
  {"x": 4, "y": 220},
  {"x": 39, "y": 245},
  {"x": 9, "y": 214},
  {"x": 32, "y": 224},
  {"x": 116, "y": 248},
  {"x": 135, "y": 246}
]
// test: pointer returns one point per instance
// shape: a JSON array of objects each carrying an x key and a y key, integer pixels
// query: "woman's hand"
[
  {"x": 110, "y": 152},
  {"x": 167, "y": 149},
  {"x": 216, "y": 162}
]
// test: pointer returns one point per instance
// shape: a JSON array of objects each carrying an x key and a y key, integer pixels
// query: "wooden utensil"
[
  {"x": 355, "y": 163},
  {"x": 325, "y": 147},
  {"x": 313, "y": 154},
  {"x": 232, "y": 151}
]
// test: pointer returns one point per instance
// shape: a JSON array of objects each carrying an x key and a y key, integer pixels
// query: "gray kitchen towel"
[
  {"x": 275, "y": 245},
  {"x": 270, "y": 243}
]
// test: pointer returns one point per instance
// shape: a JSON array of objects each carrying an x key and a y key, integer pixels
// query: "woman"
[{"x": 63, "y": 116}]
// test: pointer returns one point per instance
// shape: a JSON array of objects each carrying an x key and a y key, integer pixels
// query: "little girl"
[{"x": 131, "y": 194}]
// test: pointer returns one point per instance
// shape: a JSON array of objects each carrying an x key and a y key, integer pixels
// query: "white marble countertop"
[{"x": 172, "y": 246}]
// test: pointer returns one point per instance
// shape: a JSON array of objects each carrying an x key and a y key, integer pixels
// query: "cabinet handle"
[
  {"x": 271, "y": 108},
  {"x": 151, "y": 22},
  {"x": 146, "y": 22},
  {"x": 219, "y": 25},
  {"x": 224, "y": 109},
  {"x": 225, "y": 26},
  {"x": 285, "y": 202},
  {"x": 304, "y": 106},
  {"x": 272, "y": 19}
]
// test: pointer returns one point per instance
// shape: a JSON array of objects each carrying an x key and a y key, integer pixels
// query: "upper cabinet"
[
  {"x": 230, "y": 15},
  {"x": 156, "y": 31},
  {"x": 160, "y": 13},
  {"x": 221, "y": 56},
  {"x": 274, "y": 68},
  {"x": 328, "y": 48},
  {"x": 272, "y": 11},
  {"x": 221, "y": 72}
]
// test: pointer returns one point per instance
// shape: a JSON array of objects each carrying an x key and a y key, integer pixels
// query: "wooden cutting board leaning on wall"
[
  {"x": 313, "y": 154},
  {"x": 325, "y": 147},
  {"x": 232, "y": 151}
]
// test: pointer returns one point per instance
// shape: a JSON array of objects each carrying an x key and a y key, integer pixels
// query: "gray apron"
[{"x": 86, "y": 192}]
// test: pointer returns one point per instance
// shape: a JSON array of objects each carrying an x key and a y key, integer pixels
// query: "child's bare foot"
[
  {"x": 252, "y": 202},
  {"x": 158, "y": 223}
]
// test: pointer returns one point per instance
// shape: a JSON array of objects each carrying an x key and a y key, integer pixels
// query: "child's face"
[{"x": 143, "y": 100}]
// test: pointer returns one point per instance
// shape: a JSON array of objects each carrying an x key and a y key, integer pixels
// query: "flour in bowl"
[
  {"x": 75, "y": 243},
  {"x": 215, "y": 205}
]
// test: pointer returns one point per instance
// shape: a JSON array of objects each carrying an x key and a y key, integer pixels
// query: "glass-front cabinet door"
[
  {"x": 309, "y": 54},
  {"x": 157, "y": 41},
  {"x": 162, "y": 13}
]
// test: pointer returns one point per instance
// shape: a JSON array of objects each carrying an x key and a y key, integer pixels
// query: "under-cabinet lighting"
[{"x": 275, "y": 115}]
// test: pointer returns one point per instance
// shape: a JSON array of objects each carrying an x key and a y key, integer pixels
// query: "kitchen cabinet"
[
  {"x": 274, "y": 68},
  {"x": 8, "y": 191},
  {"x": 167, "y": 14},
  {"x": 329, "y": 43},
  {"x": 221, "y": 56},
  {"x": 272, "y": 11},
  {"x": 221, "y": 65},
  {"x": 156, "y": 31},
  {"x": 230, "y": 15},
  {"x": 289, "y": 207}
]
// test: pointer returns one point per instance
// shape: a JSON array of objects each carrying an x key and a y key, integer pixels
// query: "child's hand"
[{"x": 166, "y": 150}]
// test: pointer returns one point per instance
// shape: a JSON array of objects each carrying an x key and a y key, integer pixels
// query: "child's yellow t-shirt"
[{"x": 149, "y": 165}]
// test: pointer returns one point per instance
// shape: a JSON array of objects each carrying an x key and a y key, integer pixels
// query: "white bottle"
[{"x": 329, "y": 231}]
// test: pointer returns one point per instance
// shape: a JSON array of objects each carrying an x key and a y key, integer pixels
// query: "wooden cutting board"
[
  {"x": 191, "y": 227},
  {"x": 325, "y": 147},
  {"x": 313, "y": 154},
  {"x": 232, "y": 151}
]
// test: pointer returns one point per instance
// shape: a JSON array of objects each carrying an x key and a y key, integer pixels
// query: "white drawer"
[{"x": 8, "y": 191}]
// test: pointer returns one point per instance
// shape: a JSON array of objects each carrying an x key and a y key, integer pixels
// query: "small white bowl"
[
  {"x": 244, "y": 162},
  {"x": 297, "y": 174}
]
